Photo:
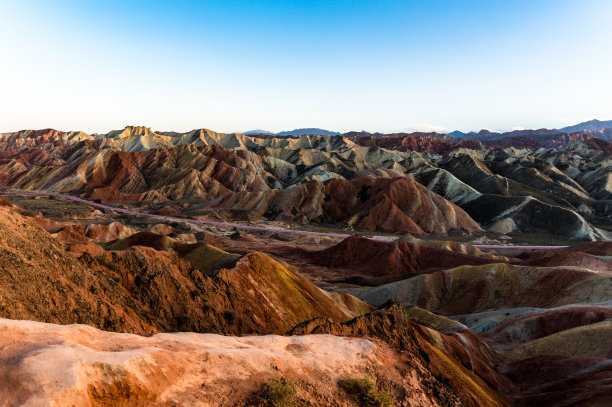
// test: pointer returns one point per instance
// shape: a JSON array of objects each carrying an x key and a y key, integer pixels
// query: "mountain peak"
[
  {"x": 589, "y": 125},
  {"x": 129, "y": 131},
  {"x": 457, "y": 133}
]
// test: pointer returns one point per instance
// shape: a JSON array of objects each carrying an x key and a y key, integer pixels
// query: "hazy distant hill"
[
  {"x": 457, "y": 133},
  {"x": 296, "y": 132},
  {"x": 588, "y": 126},
  {"x": 594, "y": 126},
  {"x": 486, "y": 135},
  {"x": 308, "y": 131},
  {"x": 257, "y": 132}
]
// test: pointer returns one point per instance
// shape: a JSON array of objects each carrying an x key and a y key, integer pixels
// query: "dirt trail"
[{"x": 239, "y": 225}]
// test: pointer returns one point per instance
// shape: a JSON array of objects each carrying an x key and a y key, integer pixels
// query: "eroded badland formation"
[{"x": 197, "y": 290}]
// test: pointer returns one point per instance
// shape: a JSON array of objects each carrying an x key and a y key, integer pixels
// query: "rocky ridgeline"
[{"x": 342, "y": 180}]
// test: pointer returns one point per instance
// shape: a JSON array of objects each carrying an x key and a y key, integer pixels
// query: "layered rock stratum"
[
  {"x": 402, "y": 185},
  {"x": 158, "y": 300}
]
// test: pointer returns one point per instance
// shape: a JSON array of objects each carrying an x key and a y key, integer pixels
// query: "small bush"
[
  {"x": 230, "y": 317},
  {"x": 183, "y": 323},
  {"x": 281, "y": 392},
  {"x": 365, "y": 392}
]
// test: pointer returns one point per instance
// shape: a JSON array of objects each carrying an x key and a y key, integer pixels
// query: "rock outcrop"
[
  {"x": 143, "y": 290},
  {"x": 53, "y": 365}
]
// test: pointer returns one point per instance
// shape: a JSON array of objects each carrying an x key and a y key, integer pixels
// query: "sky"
[{"x": 230, "y": 66}]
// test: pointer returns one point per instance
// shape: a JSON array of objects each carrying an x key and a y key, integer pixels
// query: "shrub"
[
  {"x": 365, "y": 392},
  {"x": 183, "y": 323},
  {"x": 230, "y": 316},
  {"x": 281, "y": 392}
]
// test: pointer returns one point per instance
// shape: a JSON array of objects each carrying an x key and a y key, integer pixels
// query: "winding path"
[{"x": 239, "y": 225}]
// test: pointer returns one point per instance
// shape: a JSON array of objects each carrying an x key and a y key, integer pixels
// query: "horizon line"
[{"x": 406, "y": 130}]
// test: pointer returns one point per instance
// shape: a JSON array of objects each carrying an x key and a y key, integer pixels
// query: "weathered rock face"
[
  {"x": 320, "y": 178},
  {"x": 447, "y": 185},
  {"x": 572, "y": 343},
  {"x": 530, "y": 191},
  {"x": 53, "y": 365},
  {"x": 254, "y": 294},
  {"x": 174, "y": 289},
  {"x": 143, "y": 290},
  {"x": 488, "y": 330},
  {"x": 431, "y": 143},
  {"x": 538, "y": 325},
  {"x": 356, "y": 256},
  {"x": 529, "y": 215},
  {"x": 443, "y": 355},
  {"x": 561, "y": 380},
  {"x": 560, "y": 258},
  {"x": 397, "y": 204},
  {"x": 245, "y": 182},
  {"x": 40, "y": 281},
  {"x": 558, "y": 357},
  {"x": 363, "y": 261},
  {"x": 443, "y": 143},
  {"x": 505, "y": 320},
  {"x": 472, "y": 289}
]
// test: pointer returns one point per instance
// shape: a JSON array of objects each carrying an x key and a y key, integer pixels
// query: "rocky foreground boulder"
[{"x": 77, "y": 365}]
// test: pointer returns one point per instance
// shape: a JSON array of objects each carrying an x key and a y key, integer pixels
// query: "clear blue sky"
[{"x": 277, "y": 65}]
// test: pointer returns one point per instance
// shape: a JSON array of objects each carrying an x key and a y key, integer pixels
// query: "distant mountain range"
[
  {"x": 588, "y": 126},
  {"x": 302, "y": 132},
  {"x": 599, "y": 128},
  {"x": 295, "y": 132},
  {"x": 487, "y": 135},
  {"x": 258, "y": 132},
  {"x": 458, "y": 133}
]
